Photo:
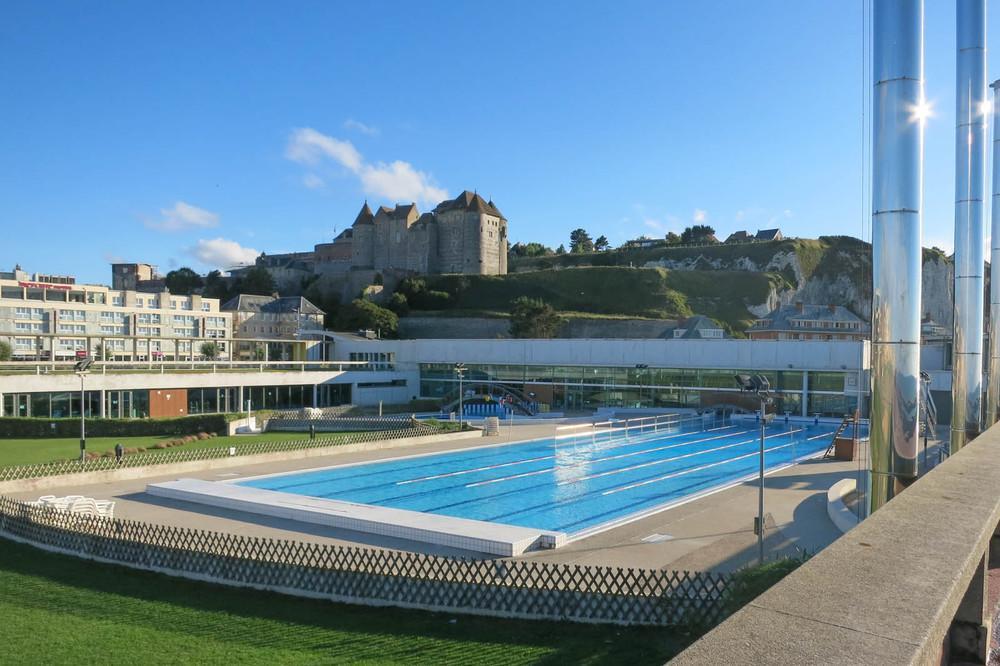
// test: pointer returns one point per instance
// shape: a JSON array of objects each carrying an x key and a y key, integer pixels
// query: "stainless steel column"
[
  {"x": 970, "y": 194},
  {"x": 993, "y": 373},
  {"x": 897, "y": 187}
]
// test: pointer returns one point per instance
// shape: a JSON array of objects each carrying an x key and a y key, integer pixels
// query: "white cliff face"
[{"x": 849, "y": 285}]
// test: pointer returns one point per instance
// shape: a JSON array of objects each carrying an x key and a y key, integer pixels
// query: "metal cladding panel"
[
  {"x": 897, "y": 175},
  {"x": 970, "y": 193},
  {"x": 993, "y": 374}
]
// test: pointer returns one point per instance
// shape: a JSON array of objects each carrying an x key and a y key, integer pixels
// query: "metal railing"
[
  {"x": 506, "y": 588},
  {"x": 109, "y": 462},
  {"x": 162, "y": 367}
]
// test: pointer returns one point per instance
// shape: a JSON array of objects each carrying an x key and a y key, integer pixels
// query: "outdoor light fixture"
[
  {"x": 80, "y": 368},
  {"x": 460, "y": 371},
  {"x": 760, "y": 387}
]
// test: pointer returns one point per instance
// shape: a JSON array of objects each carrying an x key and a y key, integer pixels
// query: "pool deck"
[{"x": 713, "y": 532}]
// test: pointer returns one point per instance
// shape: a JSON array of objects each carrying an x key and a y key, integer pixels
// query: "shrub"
[
  {"x": 18, "y": 427},
  {"x": 749, "y": 583}
]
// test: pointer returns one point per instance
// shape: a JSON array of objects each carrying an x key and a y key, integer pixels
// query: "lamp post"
[
  {"x": 460, "y": 371},
  {"x": 81, "y": 368},
  {"x": 640, "y": 367},
  {"x": 760, "y": 387}
]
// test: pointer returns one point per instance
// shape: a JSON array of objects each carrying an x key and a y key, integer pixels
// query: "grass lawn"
[
  {"x": 31, "y": 451},
  {"x": 56, "y": 609}
]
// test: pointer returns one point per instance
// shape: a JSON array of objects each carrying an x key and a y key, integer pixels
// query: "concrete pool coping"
[
  {"x": 491, "y": 538},
  {"x": 462, "y": 533}
]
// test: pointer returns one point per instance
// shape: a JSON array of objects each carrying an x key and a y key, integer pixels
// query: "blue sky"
[{"x": 193, "y": 133}]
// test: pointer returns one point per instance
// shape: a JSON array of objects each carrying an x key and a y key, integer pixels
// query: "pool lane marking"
[
  {"x": 674, "y": 475},
  {"x": 547, "y": 470},
  {"x": 551, "y": 457},
  {"x": 665, "y": 460},
  {"x": 591, "y": 495}
]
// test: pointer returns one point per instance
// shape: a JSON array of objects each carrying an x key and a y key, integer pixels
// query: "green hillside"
[{"x": 615, "y": 291}]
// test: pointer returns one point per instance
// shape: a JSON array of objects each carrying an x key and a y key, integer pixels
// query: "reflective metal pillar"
[
  {"x": 971, "y": 109},
  {"x": 993, "y": 372},
  {"x": 897, "y": 185}
]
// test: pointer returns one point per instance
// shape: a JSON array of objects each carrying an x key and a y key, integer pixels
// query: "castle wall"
[
  {"x": 491, "y": 231},
  {"x": 363, "y": 246}
]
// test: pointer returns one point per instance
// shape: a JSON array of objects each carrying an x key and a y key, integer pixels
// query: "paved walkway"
[{"x": 710, "y": 533}]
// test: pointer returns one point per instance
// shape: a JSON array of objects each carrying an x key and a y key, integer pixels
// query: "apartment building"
[{"x": 46, "y": 317}]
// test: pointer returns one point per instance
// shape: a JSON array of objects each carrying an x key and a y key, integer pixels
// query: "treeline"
[{"x": 580, "y": 242}]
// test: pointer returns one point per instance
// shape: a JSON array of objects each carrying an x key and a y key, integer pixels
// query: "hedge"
[{"x": 42, "y": 428}]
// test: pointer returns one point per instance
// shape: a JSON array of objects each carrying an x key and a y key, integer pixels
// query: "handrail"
[{"x": 906, "y": 586}]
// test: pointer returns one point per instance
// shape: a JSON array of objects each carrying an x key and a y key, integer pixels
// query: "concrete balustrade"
[{"x": 909, "y": 585}]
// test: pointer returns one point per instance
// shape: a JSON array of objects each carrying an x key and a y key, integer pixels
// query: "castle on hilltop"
[
  {"x": 466, "y": 235},
  {"x": 462, "y": 235}
]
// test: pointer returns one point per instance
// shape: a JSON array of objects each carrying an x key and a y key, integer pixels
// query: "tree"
[
  {"x": 579, "y": 241},
  {"x": 256, "y": 280},
  {"x": 533, "y": 318},
  {"x": 561, "y": 249},
  {"x": 5, "y": 351},
  {"x": 209, "y": 350},
  {"x": 699, "y": 233},
  {"x": 601, "y": 243},
  {"x": 216, "y": 286},
  {"x": 399, "y": 304},
  {"x": 530, "y": 250},
  {"x": 183, "y": 281},
  {"x": 362, "y": 314},
  {"x": 673, "y": 239}
]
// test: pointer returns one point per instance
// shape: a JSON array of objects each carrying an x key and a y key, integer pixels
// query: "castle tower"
[
  {"x": 471, "y": 234},
  {"x": 363, "y": 241}
]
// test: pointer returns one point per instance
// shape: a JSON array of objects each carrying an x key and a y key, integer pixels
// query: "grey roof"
[
  {"x": 739, "y": 235},
  {"x": 279, "y": 305},
  {"x": 767, "y": 234},
  {"x": 693, "y": 326},
  {"x": 469, "y": 201},
  {"x": 365, "y": 216},
  {"x": 784, "y": 318}
]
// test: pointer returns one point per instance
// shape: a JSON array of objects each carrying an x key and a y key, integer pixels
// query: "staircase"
[{"x": 848, "y": 420}]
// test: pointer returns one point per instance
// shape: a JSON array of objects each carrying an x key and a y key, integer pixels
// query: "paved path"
[{"x": 711, "y": 533}]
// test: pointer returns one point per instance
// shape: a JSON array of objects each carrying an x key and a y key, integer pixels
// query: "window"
[
  {"x": 113, "y": 330},
  {"x": 148, "y": 330},
  {"x": 78, "y": 329},
  {"x": 206, "y": 307},
  {"x": 148, "y": 318},
  {"x": 117, "y": 300},
  {"x": 24, "y": 344},
  {"x": 72, "y": 315},
  {"x": 29, "y": 327}
]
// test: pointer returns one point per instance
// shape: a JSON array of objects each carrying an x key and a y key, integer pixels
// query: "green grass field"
[
  {"x": 56, "y": 609},
  {"x": 33, "y": 451}
]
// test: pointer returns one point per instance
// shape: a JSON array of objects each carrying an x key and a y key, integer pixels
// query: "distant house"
[
  {"x": 768, "y": 235},
  {"x": 762, "y": 236},
  {"x": 699, "y": 327},
  {"x": 643, "y": 243},
  {"x": 809, "y": 322}
]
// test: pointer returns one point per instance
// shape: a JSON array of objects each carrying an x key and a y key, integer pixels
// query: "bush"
[
  {"x": 16, "y": 427},
  {"x": 362, "y": 314},
  {"x": 749, "y": 583}
]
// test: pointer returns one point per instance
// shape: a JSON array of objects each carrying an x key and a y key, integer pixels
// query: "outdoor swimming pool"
[{"x": 569, "y": 484}]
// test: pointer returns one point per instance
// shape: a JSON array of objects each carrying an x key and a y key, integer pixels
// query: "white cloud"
[
  {"x": 397, "y": 181},
  {"x": 353, "y": 124},
  {"x": 700, "y": 215},
  {"x": 222, "y": 253},
  {"x": 740, "y": 215},
  {"x": 307, "y": 146},
  {"x": 183, "y": 216},
  {"x": 654, "y": 224},
  {"x": 312, "y": 181},
  {"x": 788, "y": 213}
]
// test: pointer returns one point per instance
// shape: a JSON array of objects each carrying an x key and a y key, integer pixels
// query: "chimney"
[
  {"x": 832, "y": 308},
  {"x": 799, "y": 307}
]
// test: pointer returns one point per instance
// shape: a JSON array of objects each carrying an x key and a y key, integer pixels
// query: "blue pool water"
[{"x": 568, "y": 484}]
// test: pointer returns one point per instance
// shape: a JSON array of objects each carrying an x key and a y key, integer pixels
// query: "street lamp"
[
  {"x": 80, "y": 368},
  {"x": 460, "y": 371},
  {"x": 760, "y": 387},
  {"x": 640, "y": 367}
]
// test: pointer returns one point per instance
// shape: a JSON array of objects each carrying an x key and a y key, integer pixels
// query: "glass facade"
[
  {"x": 135, "y": 403},
  {"x": 571, "y": 388}
]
